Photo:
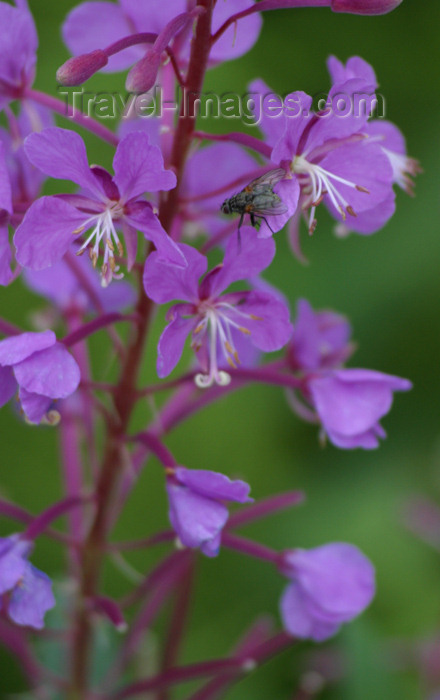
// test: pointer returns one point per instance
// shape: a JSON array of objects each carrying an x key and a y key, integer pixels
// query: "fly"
[{"x": 257, "y": 199}]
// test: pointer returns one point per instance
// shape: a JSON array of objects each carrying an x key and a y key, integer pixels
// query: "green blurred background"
[{"x": 389, "y": 286}]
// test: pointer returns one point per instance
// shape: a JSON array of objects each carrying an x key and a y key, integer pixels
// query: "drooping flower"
[
  {"x": 330, "y": 585},
  {"x": 41, "y": 368},
  {"x": 25, "y": 591},
  {"x": 107, "y": 203},
  {"x": 211, "y": 317},
  {"x": 197, "y": 509},
  {"x": 348, "y": 403},
  {"x": 93, "y": 25},
  {"x": 18, "y": 52}
]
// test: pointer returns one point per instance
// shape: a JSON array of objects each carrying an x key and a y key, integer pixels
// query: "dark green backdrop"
[{"x": 389, "y": 285}]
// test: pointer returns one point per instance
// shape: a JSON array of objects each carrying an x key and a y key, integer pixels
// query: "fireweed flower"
[
  {"x": 331, "y": 158},
  {"x": 330, "y": 585},
  {"x": 197, "y": 509},
  {"x": 93, "y": 25},
  {"x": 18, "y": 52},
  {"x": 106, "y": 204},
  {"x": 25, "y": 591},
  {"x": 211, "y": 317},
  {"x": 349, "y": 403},
  {"x": 41, "y": 368}
]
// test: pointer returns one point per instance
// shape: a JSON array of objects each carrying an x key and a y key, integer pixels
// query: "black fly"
[{"x": 257, "y": 199}]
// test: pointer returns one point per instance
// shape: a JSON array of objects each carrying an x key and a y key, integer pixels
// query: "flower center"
[
  {"x": 218, "y": 321},
  {"x": 322, "y": 182},
  {"x": 103, "y": 234}
]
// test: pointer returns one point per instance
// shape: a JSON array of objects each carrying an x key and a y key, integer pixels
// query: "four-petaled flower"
[
  {"x": 330, "y": 585},
  {"x": 107, "y": 203},
  {"x": 28, "y": 590},
  {"x": 197, "y": 511},
  {"x": 42, "y": 369},
  {"x": 213, "y": 318}
]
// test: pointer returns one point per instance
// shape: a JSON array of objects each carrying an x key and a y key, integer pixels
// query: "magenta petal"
[
  {"x": 298, "y": 113},
  {"x": 387, "y": 135},
  {"x": 139, "y": 167},
  {"x": 171, "y": 344},
  {"x": 52, "y": 372},
  {"x": 46, "y": 232},
  {"x": 34, "y": 406},
  {"x": 242, "y": 261},
  {"x": 5, "y": 184},
  {"x": 196, "y": 519},
  {"x": 288, "y": 190},
  {"x": 31, "y": 599},
  {"x": 61, "y": 153},
  {"x": 351, "y": 402},
  {"x": 8, "y": 385},
  {"x": 271, "y": 329},
  {"x": 17, "y": 348},
  {"x": 140, "y": 215},
  {"x": 18, "y": 46},
  {"x": 371, "y": 220},
  {"x": 96, "y": 25},
  {"x": 152, "y": 16},
  {"x": 213, "y": 485},
  {"x": 300, "y": 621},
  {"x": 271, "y": 124},
  {"x": 369, "y": 440},
  {"x": 338, "y": 577},
  {"x": 238, "y": 39},
  {"x": 356, "y": 67},
  {"x": 164, "y": 283},
  {"x": 6, "y": 274},
  {"x": 12, "y": 562}
]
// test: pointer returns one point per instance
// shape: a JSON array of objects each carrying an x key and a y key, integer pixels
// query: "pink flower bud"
[
  {"x": 78, "y": 69},
  {"x": 365, "y": 7},
  {"x": 142, "y": 76}
]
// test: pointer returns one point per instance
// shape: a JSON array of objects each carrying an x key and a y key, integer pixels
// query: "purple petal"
[
  {"x": 31, "y": 599},
  {"x": 61, "y": 153},
  {"x": 241, "y": 261},
  {"x": 352, "y": 401},
  {"x": 140, "y": 215},
  {"x": 369, "y": 440},
  {"x": 150, "y": 126},
  {"x": 320, "y": 339},
  {"x": 236, "y": 40},
  {"x": 213, "y": 485},
  {"x": 164, "y": 283},
  {"x": 52, "y": 372},
  {"x": 12, "y": 562},
  {"x": 267, "y": 320},
  {"x": 96, "y": 25},
  {"x": 19, "y": 347},
  {"x": 387, "y": 135},
  {"x": 8, "y": 385},
  {"x": 171, "y": 343},
  {"x": 371, "y": 220},
  {"x": 271, "y": 124},
  {"x": 18, "y": 46},
  {"x": 364, "y": 165},
  {"x": 5, "y": 184},
  {"x": 356, "y": 67},
  {"x": 152, "y": 16},
  {"x": 197, "y": 520},
  {"x": 299, "y": 621},
  {"x": 34, "y": 406},
  {"x": 139, "y": 167},
  {"x": 46, "y": 232},
  {"x": 337, "y": 577},
  {"x": 6, "y": 274},
  {"x": 298, "y": 114},
  {"x": 288, "y": 190}
]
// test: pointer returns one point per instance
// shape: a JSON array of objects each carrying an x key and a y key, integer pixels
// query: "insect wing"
[
  {"x": 266, "y": 182},
  {"x": 268, "y": 204}
]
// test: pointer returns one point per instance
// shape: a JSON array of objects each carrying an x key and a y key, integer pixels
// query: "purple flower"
[
  {"x": 320, "y": 340},
  {"x": 350, "y": 403},
  {"x": 97, "y": 25},
  {"x": 29, "y": 590},
  {"x": 18, "y": 52},
  {"x": 107, "y": 203},
  {"x": 60, "y": 285},
  {"x": 329, "y": 585},
  {"x": 42, "y": 369},
  {"x": 212, "y": 318},
  {"x": 197, "y": 510}
]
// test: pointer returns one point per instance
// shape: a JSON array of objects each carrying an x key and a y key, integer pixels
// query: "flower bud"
[
  {"x": 78, "y": 69},
  {"x": 142, "y": 76},
  {"x": 365, "y": 7}
]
